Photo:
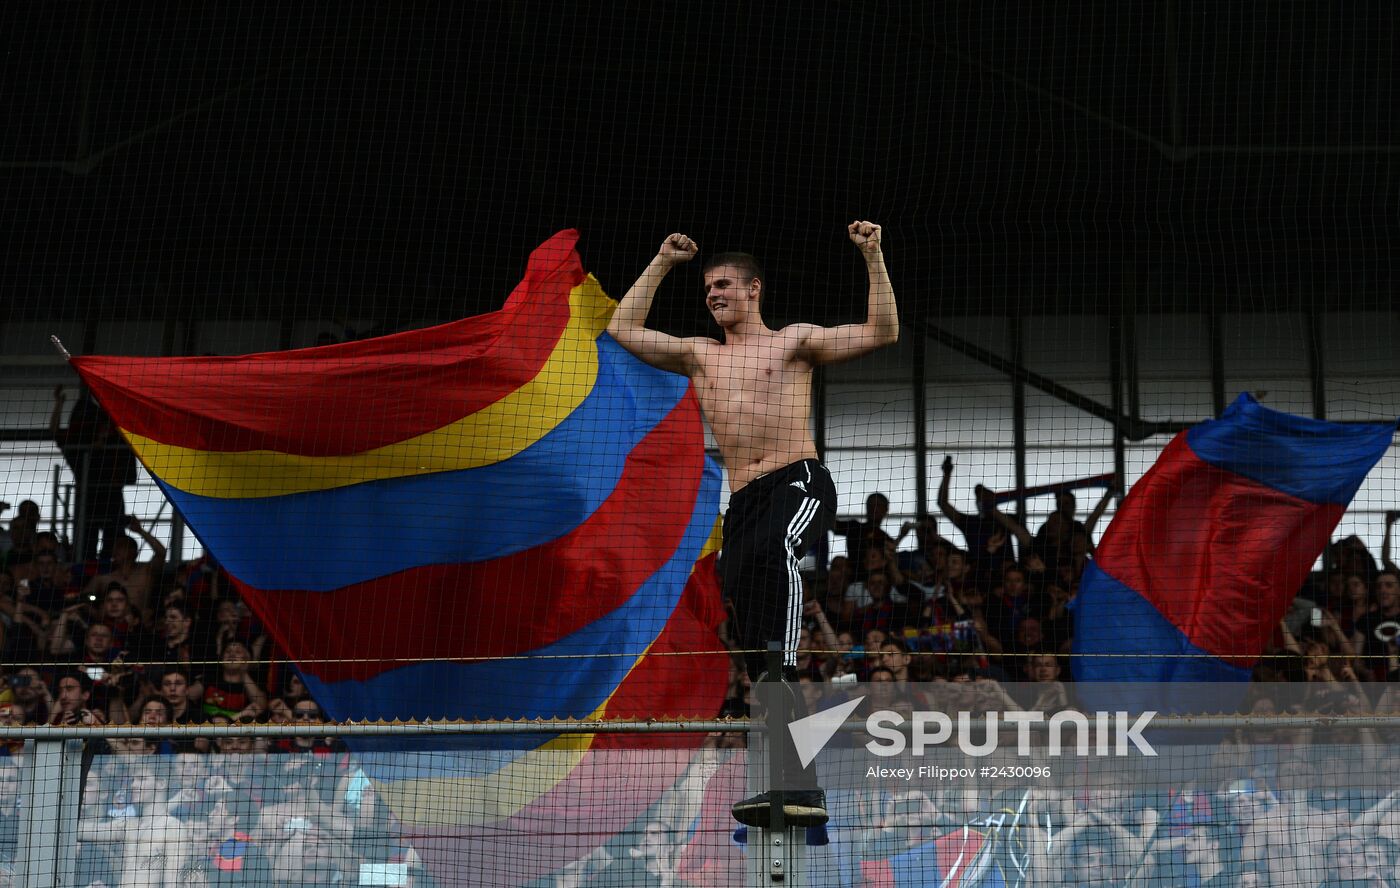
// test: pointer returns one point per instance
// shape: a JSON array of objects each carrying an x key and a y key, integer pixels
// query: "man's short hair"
[
  {"x": 172, "y": 670},
  {"x": 898, "y": 642},
  {"x": 82, "y": 678},
  {"x": 742, "y": 261}
]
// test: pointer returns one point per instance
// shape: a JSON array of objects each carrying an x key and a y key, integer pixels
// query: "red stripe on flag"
[{"x": 348, "y": 398}]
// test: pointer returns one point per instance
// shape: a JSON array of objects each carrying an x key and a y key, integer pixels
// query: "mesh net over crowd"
[{"x": 564, "y": 447}]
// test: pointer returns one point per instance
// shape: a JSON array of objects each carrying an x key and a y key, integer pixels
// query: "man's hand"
[
  {"x": 947, "y": 465},
  {"x": 677, "y": 249},
  {"x": 865, "y": 235}
]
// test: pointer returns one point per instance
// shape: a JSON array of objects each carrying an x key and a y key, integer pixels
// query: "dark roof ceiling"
[{"x": 222, "y": 159}]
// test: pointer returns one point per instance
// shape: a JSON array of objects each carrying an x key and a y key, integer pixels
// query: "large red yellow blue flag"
[{"x": 505, "y": 517}]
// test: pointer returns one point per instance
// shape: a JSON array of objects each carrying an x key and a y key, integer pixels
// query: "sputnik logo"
[{"x": 811, "y": 734}]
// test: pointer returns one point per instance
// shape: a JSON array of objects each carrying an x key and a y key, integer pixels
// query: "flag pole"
[{"x": 58, "y": 344}]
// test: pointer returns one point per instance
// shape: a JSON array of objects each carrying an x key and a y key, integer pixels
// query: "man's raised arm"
[
  {"x": 827, "y": 345},
  {"x": 628, "y": 325}
]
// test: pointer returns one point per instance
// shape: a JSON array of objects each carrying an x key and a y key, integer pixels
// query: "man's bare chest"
[{"x": 752, "y": 369}]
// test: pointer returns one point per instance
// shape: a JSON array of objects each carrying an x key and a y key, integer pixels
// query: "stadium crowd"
[{"x": 114, "y": 639}]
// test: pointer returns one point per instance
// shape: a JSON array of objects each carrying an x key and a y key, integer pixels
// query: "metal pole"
[
  {"x": 1317, "y": 365},
  {"x": 1217, "y": 362},
  {"x": 920, "y": 426},
  {"x": 49, "y": 825},
  {"x": 177, "y": 538},
  {"x": 821, "y": 549},
  {"x": 82, "y": 489},
  {"x": 776, "y": 719},
  {"x": 775, "y": 854},
  {"x": 53, "y": 507},
  {"x": 1018, "y": 415},
  {"x": 1115, "y": 373}
]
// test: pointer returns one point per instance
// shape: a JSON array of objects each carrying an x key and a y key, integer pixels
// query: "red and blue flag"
[{"x": 1212, "y": 545}]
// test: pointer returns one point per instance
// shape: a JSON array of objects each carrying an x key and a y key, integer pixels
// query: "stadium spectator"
[
  {"x": 833, "y": 592},
  {"x": 24, "y": 532},
  {"x": 48, "y": 591},
  {"x": 1051, "y": 608},
  {"x": 910, "y": 819},
  {"x": 154, "y": 846},
  {"x": 233, "y": 858},
  {"x": 987, "y": 532},
  {"x": 71, "y": 702},
  {"x": 882, "y": 613},
  {"x": 31, "y": 695},
  {"x": 102, "y": 465},
  {"x": 25, "y": 635},
  {"x": 877, "y": 560},
  {"x": 822, "y": 637},
  {"x": 44, "y": 541},
  {"x": 232, "y": 690},
  {"x": 303, "y": 805},
  {"x": 930, "y": 545},
  {"x": 1349, "y": 555},
  {"x": 862, "y": 535},
  {"x": 1008, "y": 606},
  {"x": 293, "y": 689},
  {"x": 173, "y": 685},
  {"x": 139, "y": 578},
  {"x": 1373, "y": 629},
  {"x": 307, "y": 711},
  {"x": 150, "y": 712},
  {"x": 1043, "y": 691},
  {"x": 232, "y": 622},
  {"x": 1095, "y": 849},
  {"x": 178, "y": 645},
  {"x": 1348, "y": 866},
  {"x": 237, "y": 746},
  {"x": 1026, "y": 640},
  {"x": 1355, "y": 604},
  {"x": 959, "y": 577},
  {"x": 128, "y": 634},
  {"x": 895, "y": 656},
  {"x": 1063, "y": 539}
]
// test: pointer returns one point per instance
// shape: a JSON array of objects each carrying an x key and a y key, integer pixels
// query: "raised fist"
[
  {"x": 865, "y": 235},
  {"x": 676, "y": 249}
]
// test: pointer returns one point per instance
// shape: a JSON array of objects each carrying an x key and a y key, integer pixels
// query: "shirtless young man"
[
  {"x": 138, "y": 577},
  {"x": 755, "y": 389},
  {"x": 156, "y": 847}
]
